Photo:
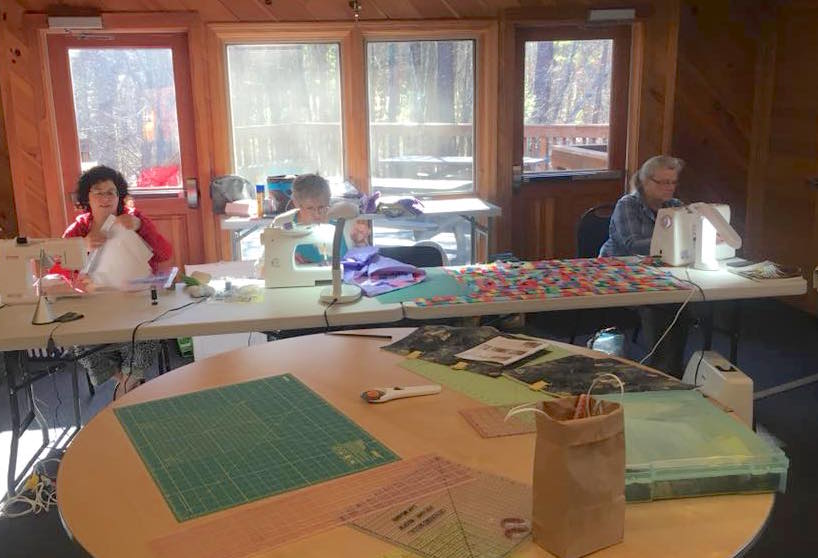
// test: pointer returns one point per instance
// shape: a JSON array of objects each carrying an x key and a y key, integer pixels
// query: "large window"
[
  {"x": 285, "y": 109},
  {"x": 567, "y": 105},
  {"x": 126, "y": 115},
  {"x": 421, "y": 115}
]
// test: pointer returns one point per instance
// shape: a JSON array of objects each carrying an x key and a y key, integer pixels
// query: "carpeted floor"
[{"x": 778, "y": 344}]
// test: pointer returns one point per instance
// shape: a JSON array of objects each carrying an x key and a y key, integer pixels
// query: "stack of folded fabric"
[
  {"x": 377, "y": 274},
  {"x": 391, "y": 207}
]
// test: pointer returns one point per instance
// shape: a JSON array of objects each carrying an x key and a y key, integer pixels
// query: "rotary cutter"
[{"x": 382, "y": 395}]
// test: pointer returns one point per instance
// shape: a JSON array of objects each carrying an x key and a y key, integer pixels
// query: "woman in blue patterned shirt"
[
  {"x": 652, "y": 188},
  {"x": 631, "y": 229}
]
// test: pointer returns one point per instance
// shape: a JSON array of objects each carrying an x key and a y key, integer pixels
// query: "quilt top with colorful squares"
[{"x": 533, "y": 280}]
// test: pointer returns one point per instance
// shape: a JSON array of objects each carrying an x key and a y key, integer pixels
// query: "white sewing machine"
[
  {"x": 688, "y": 234},
  {"x": 722, "y": 381},
  {"x": 280, "y": 241},
  {"x": 19, "y": 258}
]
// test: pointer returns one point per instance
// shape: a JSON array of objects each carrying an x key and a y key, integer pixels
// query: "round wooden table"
[{"x": 111, "y": 506}]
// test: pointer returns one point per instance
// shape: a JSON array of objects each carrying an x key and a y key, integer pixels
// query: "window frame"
[
  {"x": 475, "y": 102},
  {"x": 352, "y": 38},
  {"x": 223, "y": 35},
  {"x": 620, "y": 97},
  {"x": 66, "y": 119}
]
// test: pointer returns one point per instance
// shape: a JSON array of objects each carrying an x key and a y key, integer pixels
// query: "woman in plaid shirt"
[{"x": 652, "y": 188}]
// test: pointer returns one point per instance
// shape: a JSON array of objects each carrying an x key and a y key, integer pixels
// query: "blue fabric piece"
[
  {"x": 631, "y": 226},
  {"x": 438, "y": 283},
  {"x": 310, "y": 254}
]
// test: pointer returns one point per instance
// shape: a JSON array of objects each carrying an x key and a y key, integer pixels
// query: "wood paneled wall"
[
  {"x": 783, "y": 200},
  {"x": 715, "y": 96},
  {"x": 8, "y": 219},
  {"x": 651, "y": 98},
  {"x": 20, "y": 78},
  {"x": 32, "y": 147}
]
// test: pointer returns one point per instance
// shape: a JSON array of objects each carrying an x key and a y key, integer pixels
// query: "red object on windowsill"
[{"x": 160, "y": 176}]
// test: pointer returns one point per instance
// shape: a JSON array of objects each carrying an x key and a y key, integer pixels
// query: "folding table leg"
[
  {"x": 14, "y": 411},
  {"x": 75, "y": 392},
  {"x": 38, "y": 416},
  {"x": 91, "y": 388},
  {"x": 735, "y": 332}
]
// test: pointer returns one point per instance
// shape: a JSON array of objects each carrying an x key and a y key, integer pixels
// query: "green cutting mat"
[
  {"x": 485, "y": 389},
  {"x": 222, "y": 447}
]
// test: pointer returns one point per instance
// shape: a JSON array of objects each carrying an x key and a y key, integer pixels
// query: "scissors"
[{"x": 514, "y": 527}]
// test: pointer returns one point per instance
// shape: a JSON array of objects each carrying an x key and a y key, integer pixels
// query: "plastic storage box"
[{"x": 678, "y": 444}]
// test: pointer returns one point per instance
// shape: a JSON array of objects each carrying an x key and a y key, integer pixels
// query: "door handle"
[
  {"x": 192, "y": 193},
  {"x": 516, "y": 178},
  {"x": 813, "y": 182}
]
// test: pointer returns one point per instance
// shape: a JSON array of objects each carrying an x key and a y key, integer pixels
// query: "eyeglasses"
[
  {"x": 318, "y": 210},
  {"x": 104, "y": 193},
  {"x": 670, "y": 182}
]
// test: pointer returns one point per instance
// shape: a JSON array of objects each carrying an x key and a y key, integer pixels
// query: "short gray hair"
[
  {"x": 650, "y": 166},
  {"x": 310, "y": 186}
]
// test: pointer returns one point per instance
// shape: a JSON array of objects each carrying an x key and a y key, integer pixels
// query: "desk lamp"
[
  {"x": 339, "y": 292},
  {"x": 709, "y": 222},
  {"x": 686, "y": 235},
  {"x": 42, "y": 313}
]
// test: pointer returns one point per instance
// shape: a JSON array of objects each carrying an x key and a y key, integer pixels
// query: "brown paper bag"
[{"x": 579, "y": 477}]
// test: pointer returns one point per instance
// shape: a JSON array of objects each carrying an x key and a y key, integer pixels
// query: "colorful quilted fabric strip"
[{"x": 503, "y": 281}]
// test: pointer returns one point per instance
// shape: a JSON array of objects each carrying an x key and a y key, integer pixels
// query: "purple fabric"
[
  {"x": 376, "y": 274},
  {"x": 401, "y": 207},
  {"x": 368, "y": 204}
]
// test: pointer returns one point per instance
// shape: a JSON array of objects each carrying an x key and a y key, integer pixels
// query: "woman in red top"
[{"x": 101, "y": 191}]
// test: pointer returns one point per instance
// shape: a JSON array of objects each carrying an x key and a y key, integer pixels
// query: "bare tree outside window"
[
  {"x": 125, "y": 106},
  {"x": 285, "y": 109},
  {"x": 421, "y": 114},
  {"x": 567, "y": 105}
]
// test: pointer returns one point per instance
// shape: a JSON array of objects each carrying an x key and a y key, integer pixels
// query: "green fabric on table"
[
  {"x": 485, "y": 389},
  {"x": 437, "y": 283}
]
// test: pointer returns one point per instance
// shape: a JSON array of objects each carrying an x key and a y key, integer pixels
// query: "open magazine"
[
  {"x": 503, "y": 350},
  {"x": 759, "y": 271}
]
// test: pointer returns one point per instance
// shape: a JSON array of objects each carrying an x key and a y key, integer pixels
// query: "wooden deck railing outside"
[{"x": 257, "y": 147}]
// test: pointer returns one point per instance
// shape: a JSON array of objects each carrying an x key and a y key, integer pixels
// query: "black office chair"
[
  {"x": 592, "y": 232},
  {"x": 419, "y": 255}
]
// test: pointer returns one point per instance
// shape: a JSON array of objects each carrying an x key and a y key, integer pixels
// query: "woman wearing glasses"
[
  {"x": 652, "y": 188},
  {"x": 101, "y": 192}
]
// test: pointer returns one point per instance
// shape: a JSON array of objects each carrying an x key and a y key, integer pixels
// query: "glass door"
[{"x": 124, "y": 101}]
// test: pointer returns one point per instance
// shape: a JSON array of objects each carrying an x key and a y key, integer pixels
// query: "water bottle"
[{"x": 609, "y": 340}]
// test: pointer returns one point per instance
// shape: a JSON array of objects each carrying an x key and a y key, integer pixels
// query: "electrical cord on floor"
[
  {"x": 667, "y": 330},
  {"x": 57, "y": 392},
  {"x": 676, "y": 317},
  {"x": 701, "y": 353},
  {"x": 38, "y": 494}
]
